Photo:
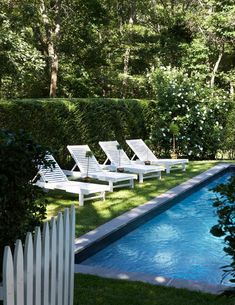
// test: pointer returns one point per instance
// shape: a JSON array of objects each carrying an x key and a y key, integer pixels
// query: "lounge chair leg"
[
  {"x": 183, "y": 167},
  {"x": 132, "y": 183},
  {"x": 168, "y": 169},
  {"x": 160, "y": 175},
  {"x": 81, "y": 199},
  {"x": 103, "y": 195},
  {"x": 111, "y": 186},
  {"x": 141, "y": 178}
]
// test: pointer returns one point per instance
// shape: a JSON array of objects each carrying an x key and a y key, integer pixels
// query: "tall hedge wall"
[{"x": 59, "y": 122}]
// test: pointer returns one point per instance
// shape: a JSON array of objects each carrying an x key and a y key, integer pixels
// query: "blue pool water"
[{"x": 176, "y": 243}]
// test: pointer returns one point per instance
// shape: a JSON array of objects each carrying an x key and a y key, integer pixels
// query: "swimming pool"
[{"x": 177, "y": 243}]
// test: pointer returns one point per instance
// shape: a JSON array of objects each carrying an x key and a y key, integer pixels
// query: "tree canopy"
[{"x": 109, "y": 48}]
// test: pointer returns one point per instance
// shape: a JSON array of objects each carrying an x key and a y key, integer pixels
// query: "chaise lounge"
[
  {"x": 54, "y": 178},
  {"x": 144, "y": 153},
  {"x": 119, "y": 159},
  {"x": 93, "y": 169}
]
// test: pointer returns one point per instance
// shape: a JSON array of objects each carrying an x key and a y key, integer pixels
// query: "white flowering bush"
[{"x": 199, "y": 111}]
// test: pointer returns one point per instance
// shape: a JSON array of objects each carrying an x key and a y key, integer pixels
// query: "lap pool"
[{"x": 176, "y": 243}]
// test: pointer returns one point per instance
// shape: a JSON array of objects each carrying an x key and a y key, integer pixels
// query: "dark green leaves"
[
  {"x": 225, "y": 209},
  {"x": 22, "y": 206},
  {"x": 89, "y": 154}
]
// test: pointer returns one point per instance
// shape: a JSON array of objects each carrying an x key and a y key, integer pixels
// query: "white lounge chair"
[
  {"x": 119, "y": 159},
  {"x": 94, "y": 170},
  {"x": 55, "y": 179},
  {"x": 144, "y": 153}
]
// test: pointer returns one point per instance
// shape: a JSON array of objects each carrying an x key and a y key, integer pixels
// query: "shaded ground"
[{"x": 92, "y": 290}]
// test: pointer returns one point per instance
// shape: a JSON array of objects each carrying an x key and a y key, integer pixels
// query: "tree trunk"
[
  {"x": 126, "y": 62},
  {"x": 51, "y": 36},
  {"x": 54, "y": 64},
  {"x": 231, "y": 89},
  {"x": 126, "y": 68},
  {"x": 216, "y": 66}
]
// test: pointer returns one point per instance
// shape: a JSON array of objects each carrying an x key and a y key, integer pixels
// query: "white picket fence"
[{"x": 42, "y": 272}]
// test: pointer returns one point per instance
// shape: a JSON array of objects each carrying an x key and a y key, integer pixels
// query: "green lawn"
[
  {"x": 92, "y": 290},
  {"x": 95, "y": 213}
]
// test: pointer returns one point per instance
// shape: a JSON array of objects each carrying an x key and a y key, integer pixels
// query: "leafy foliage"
[
  {"x": 22, "y": 206},
  {"x": 228, "y": 143},
  {"x": 21, "y": 64},
  {"x": 199, "y": 112},
  {"x": 108, "y": 48},
  {"x": 225, "y": 209}
]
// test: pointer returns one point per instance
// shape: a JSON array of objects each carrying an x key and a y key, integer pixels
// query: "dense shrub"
[
  {"x": 22, "y": 206},
  {"x": 58, "y": 123},
  {"x": 225, "y": 209},
  {"x": 199, "y": 111}
]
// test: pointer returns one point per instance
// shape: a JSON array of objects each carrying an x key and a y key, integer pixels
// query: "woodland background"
[
  {"x": 179, "y": 56},
  {"x": 112, "y": 48}
]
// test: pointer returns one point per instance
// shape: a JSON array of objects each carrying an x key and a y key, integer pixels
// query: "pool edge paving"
[
  {"x": 101, "y": 235},
  {"x": 151, "y": 279}
]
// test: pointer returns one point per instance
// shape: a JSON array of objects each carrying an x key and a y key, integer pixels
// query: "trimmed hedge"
[{"x": 59, "y": 122}]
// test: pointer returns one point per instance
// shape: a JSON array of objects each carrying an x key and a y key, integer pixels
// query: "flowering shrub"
[{"x": 199, "y": 111}]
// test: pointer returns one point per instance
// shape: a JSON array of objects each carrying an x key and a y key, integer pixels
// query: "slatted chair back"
[
  {"x": 78, "y": 152},
  {"x": 117, "y": 156},
  {"x": 52, "y": 175},
  {"x": 141, "y": 150}
]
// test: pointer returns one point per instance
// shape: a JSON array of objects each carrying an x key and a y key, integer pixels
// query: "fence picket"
[
  {"x": 28, "y": 269},
  {"x": 19, "y": 273},
  {"x": 60, "y": 258},
  {"x": 37, "y": 267},
  {"x": 53, "y": 258},
  {"x": 8, "y": 278},
  {"x": 45, "y": 264},
  {"x": 71, "y": 267},
  {"x": 66, "y": 257}
]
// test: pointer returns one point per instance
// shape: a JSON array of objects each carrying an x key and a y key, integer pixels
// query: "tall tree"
[
  {"x": 50, "y": 17},
  {"x": 42, "y": 19}
]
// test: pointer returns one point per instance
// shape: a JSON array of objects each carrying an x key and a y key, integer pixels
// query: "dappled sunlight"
[
  {"x": 123, "y": 276},
  {"x": 160, "y": 279}
]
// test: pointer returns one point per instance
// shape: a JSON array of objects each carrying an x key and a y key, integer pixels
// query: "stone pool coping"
[
  {"x": 151, "y": 279},
  {"x": 123, "y": 220}
]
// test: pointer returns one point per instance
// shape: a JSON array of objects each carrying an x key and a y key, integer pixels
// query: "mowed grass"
[
  {"x": 93, "y": 290},
  {"x": 95, "y": 213}
]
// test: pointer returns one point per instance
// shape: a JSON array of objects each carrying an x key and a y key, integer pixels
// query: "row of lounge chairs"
[{"x": 56, "y": 179}]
